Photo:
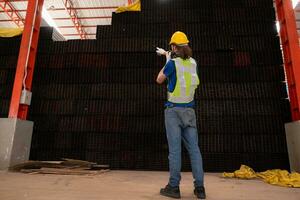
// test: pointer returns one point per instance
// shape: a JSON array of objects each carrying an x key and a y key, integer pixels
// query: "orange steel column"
[
  {"x": 291, "y": 52},
  {"x": 26, "y": 60}
]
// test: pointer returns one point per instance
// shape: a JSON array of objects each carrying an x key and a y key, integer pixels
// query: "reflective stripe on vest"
[{"x": 187, "y": 81}]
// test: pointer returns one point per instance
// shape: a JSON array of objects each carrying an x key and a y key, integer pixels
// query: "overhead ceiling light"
[
  {"x": 49, "y": 20},
  {"x": 51, "y": 8},
  {"x": 295, "y": 2}
]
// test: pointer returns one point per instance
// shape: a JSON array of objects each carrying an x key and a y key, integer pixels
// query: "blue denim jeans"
[{"x": 180, "y": 125}]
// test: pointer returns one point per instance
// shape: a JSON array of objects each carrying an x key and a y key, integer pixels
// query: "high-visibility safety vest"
[{"x": 187, "y": 81}]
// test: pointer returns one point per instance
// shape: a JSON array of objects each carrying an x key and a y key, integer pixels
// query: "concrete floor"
[{"x": 123, "y": 185}]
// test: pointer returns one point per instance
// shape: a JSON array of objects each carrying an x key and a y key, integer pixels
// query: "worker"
[{"x": 180, "y": 119}]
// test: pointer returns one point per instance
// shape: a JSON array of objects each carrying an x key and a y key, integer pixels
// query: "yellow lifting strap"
[
  {"x": 10, "y": 32},
  {"x": 274, "y": 177},
  {"x": 135, "y": 6}
]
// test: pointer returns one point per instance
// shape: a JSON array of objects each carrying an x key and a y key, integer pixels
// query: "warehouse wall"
[{"x": 97, "y": 100}]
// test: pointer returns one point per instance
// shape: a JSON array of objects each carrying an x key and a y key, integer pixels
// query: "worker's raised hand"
[
  {"x": 160, "y": 51},
  {"x": 163, "y": 52}
]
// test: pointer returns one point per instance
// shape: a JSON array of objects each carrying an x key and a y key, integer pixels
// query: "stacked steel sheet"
[{"x": 97, "y": 100}]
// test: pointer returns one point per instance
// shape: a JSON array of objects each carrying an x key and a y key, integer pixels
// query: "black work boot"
[
  {"x": 170, "y": 191},
  {"x": 200, "y": 192}
]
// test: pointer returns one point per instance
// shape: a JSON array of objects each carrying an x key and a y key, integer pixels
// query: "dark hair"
[{"x": 184, "y": 52}]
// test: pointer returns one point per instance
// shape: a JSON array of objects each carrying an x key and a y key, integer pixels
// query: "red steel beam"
[
  {"x": 24, "y": 0},
  {"x": 96, "y": 17},
  {"x": 9, "y": 20},
  {"x": 291, "y": 52},
  {"x": 84, "y": 26},
  {"x": 12, "y": 13},
  {"x": 18, "y": 0},
  {"x": 66, "y": 18},
  {"x": 26, "y": 59},
  {"x": 74, "y": 17},
  {"x": 87, "y": 8},
  {"x": 77, "y": 8}
]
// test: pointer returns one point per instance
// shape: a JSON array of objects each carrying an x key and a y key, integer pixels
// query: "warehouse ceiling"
[
  {"x": 66, "y": 14},
  {"x": 88, "y": 14}
]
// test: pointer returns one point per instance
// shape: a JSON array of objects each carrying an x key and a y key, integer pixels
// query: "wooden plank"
[
  {"x": 73, "y": 162},
  {"x": 64, "y": 171}
]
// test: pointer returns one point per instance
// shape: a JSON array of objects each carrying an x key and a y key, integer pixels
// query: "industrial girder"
[
  {"x": 74, "y": 17},
  {"x": 26, "y": 59},
  {"x": 291, "y": 52}
]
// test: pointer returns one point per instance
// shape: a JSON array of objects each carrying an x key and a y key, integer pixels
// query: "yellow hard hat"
[{"x": 179, "y": 38}]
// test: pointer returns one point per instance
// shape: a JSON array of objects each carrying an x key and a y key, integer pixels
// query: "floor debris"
[{"x": 63, "y": 167}]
